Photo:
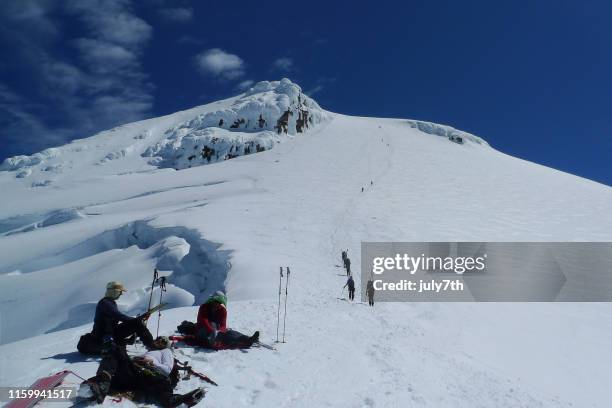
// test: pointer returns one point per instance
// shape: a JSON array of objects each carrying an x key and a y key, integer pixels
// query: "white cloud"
[
  {"x": 221, "y": 64},
  {"x": 112, "y": 21},
  {"x": 315, "y": 90},
  {"x": 105, "y": 57},
  {"x": 33, "y": 15},
  {"x": 283, "y": 64},
  {"x": 320, "y": 85},
  {"x": 17, "y": 120},
  {"x": 111, "y": 59},
  {"x": 177, "y": 14},
  {"x": 63, "y": 77},
  {"x": 244, "y": 85},
  {"x": 104, "y": 87}
]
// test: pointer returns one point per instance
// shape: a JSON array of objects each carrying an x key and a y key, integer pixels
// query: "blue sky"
[{"x": 531, "y": 77}]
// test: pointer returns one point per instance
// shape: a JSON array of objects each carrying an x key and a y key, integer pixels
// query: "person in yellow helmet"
[{"x": 111, "y": 324}]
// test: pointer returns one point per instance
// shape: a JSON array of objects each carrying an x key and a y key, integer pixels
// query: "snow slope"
[{"x": 113, "y": 207}]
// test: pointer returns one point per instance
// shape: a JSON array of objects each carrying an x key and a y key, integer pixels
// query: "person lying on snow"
[
  {"x": 151, "y": 377},
  {"x": 211, "y": 330},
  {"x": 109, "y": 321}
]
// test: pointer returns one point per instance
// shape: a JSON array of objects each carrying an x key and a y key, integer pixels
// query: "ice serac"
[{"x": 268, "y": 113}]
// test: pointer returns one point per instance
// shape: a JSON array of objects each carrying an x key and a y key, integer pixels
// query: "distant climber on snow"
[
  {"x": 110, "y": 322},
  {"x": 370, "y": 292},
  {"x": 351, "y": 287},
  {"x": 211, "y": 329},
  {"x": 344, "y": 255},
  {"x": 153, "y": 375},
  {"x": 347, "y": 266}
]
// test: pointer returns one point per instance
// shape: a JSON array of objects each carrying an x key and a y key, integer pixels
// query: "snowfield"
[{"x": 118, "y": 204}]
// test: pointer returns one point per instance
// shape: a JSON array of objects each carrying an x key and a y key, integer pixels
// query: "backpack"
[
  {"x": 186, "y": 327},
  {"x": 89, "y": 345}
]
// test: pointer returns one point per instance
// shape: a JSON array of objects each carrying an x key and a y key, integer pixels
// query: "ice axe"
[{"x": 190, "y": 371}]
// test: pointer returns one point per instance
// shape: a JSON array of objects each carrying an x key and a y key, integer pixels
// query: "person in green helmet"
[{"x": 211, "y": 328}]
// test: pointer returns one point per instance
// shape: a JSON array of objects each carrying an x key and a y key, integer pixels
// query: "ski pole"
[
  {"x": 279, "y": 300},
  {"x": 162, "y": 289},
  {"x": 286, "y": 294},
  {"x": 155, "y": 274}
]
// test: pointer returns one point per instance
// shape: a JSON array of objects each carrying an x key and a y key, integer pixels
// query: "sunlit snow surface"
[{"x": 113, "y": 207}]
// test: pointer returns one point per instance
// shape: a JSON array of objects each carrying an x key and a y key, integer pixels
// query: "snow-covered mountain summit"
[{"x": 265, "y": 115}]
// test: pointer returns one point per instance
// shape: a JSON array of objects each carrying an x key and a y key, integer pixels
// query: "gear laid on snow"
[
  {"x": 38, "y": 390},
  {"x": 186, "y": 327},
  {"x": 151, "y": 377},
  {"x": 187, "y": 368}
]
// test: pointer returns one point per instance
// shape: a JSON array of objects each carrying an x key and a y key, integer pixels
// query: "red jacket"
[{"x": 212, "y": 313}]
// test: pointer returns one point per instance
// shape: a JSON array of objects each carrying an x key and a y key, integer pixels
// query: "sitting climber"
[
  {"x": 109, "y": 321},
  {"x": 211, "y": 330},
  {"x": 151, "y": 377}
]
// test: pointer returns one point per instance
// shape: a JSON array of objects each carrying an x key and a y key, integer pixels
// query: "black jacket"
[{"x": 107, "y": 317}]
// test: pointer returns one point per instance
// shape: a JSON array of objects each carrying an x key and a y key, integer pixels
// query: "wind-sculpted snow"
[
  {"x": 19, "y": 162},
  {"x": 195, "y": 268},
  {"x": 118, "y": 154},
  {"x": 262, "y": 108},
  {"x": 189, "y": 148},
  {"x": 25, "y": 223},
  {"x": 265, "y": 115},
  {"x": 445, "y": 131}
]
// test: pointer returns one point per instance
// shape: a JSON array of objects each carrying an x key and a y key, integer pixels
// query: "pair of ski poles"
[
  {"x": 162, "y": 288},
  {"x": 280, "y": 281}
]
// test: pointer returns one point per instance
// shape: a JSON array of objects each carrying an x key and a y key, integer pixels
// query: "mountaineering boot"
[
  {"x": 174, "y": 401},
  {"x": 254, "y": 338},
  {"x": 99, "y": 391},
  {"x": 99, "y": 386},
  {"x": 192, "y": 398}
]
